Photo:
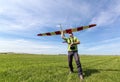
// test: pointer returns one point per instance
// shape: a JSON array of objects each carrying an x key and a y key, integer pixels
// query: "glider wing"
[{"x": 67, "y": 30}]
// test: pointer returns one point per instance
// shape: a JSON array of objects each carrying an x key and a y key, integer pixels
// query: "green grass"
[{"x": 53, "y": 68}]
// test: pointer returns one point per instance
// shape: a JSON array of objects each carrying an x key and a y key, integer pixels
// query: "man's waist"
[{"x": 72, "y": 50}]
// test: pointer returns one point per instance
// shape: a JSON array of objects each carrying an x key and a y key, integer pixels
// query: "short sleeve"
[
  {"x": 65, "y": 39},
  {"x": 76, "y": 39}
]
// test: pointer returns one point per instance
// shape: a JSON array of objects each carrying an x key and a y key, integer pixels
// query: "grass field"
[{"x": 54, "y": 68}]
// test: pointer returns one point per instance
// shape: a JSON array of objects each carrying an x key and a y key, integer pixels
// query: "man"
[{"x": 73, "y": 51}]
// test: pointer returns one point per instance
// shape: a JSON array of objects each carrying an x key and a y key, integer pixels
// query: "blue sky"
[{"x": 22, "y": 20}]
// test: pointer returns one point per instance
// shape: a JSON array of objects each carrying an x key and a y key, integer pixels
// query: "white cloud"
[
  {"x": 107, "y": 16},
  {"x": 110, "y": 46},
  {"x": 15, "y": 16},
  {"x": 103, "y": 19},
  {"x": 28, "y": 14},
  {"x": 24, "y": 46}
]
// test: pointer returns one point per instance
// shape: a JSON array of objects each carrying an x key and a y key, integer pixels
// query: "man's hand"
[
  {"x": 75, "y": 43},
  {"x": 71, "y": 44}
]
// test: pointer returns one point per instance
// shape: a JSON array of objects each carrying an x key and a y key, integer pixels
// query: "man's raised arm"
[{"x": 62, "y": 35}]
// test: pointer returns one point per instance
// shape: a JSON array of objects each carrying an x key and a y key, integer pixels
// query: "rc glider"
[{"x": 67, "y": 31}]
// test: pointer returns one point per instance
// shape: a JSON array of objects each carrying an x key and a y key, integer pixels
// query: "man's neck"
[{"x": 72, "y": 37}]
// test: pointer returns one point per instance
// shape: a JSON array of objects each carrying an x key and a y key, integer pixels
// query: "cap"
[{"x": 70, "y": 32}]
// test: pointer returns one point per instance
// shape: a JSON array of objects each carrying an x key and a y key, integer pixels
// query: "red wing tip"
[
  {"x": 92, "y": 25},
  {"x": 39, "y": 35}
]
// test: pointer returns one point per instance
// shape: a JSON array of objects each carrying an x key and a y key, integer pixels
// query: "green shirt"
[{"x": 72, "y": 40}]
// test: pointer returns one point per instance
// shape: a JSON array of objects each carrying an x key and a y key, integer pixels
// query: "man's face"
[{"x": 71, "y": 35}]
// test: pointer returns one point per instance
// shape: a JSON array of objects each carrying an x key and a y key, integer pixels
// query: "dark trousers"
[{"x": 76, "y": 57}]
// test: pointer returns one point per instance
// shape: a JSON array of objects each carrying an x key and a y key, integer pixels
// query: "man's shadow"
[
  {"x": 89, "y": 72},
  {"x": 86, "y": 72}
]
